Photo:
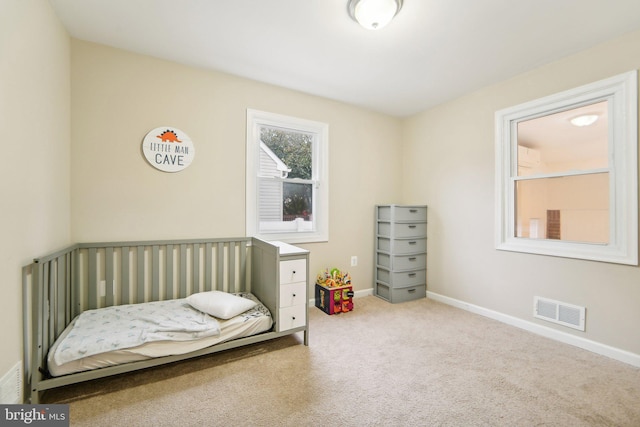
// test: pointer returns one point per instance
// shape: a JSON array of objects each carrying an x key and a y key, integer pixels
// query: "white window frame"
[
  {"x": 320, "y": 169},
  {"x": 622, "y": 93}
]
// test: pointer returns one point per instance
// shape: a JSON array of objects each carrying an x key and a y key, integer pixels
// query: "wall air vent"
[{"x": 558, "y": 312}]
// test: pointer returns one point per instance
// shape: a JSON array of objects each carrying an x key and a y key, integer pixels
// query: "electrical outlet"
[{"x": 354, "y": 261}]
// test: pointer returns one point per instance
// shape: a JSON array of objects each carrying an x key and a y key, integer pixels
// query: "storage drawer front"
[
  {"x": 292, "y": 317},
  {"x": 403, "y": 213},
  {"x": 403, "y": 262},
  {"x": 292, "y": 294},
  {"x": 293, "y": 271},
  {"x": 400, "y": 294},
  {"x": 401, "y": 247},
  {"x": 402, "y": 230},
  {"x": 402, "y": 279}
]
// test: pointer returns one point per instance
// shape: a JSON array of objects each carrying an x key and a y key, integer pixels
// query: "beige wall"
[
  {"x": 34, "y": 177},
  {"x": 117, "y": 97},
  {"x": 448, "y": 162}
]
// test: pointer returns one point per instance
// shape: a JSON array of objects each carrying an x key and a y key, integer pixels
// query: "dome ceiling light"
[
  {"x": 584, "y": 120},
  {"x": 373, "y": 14}
]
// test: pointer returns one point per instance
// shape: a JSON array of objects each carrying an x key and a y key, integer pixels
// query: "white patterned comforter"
[{"x": 126, "y": 326}]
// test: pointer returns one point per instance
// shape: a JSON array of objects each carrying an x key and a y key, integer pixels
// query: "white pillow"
[{"x": 219, "y": 304}]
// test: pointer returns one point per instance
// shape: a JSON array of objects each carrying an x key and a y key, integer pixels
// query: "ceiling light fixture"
[
  {"x": 373, "y": 14},
  {"x": 584, "y": 120}
]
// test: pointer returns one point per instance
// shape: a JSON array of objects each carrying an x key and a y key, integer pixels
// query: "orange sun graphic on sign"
[{"x": 168, "y": 136}]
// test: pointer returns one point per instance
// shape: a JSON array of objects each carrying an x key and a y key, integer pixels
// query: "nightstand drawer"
[
  {"x": 402, "y": 262},
  {"x": 402, "y": 279},
  {"x": 292, "y": 317},
  {"x": 400, "y": 294},
  {"x": 387, "y": 229},
  {"x": 402, "y": 246},
  {"x": 403, "y": 213},
  {"x": 292, "y": 294},
  {"x": 293, "y": 271}
]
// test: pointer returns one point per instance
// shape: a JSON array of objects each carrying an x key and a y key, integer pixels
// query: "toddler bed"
[
  {"x": 95, "y": 310},
  {"x": 118, "y": 351}
]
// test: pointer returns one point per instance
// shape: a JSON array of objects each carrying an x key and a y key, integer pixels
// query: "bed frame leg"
[{"x": 306, "y": 337}]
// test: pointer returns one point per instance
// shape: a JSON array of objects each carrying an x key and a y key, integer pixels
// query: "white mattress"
[{"x": 251, "y": 322}]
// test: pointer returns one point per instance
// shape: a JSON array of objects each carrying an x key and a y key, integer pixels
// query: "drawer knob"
[
  {"x": 293, "y": 272},
  {"x": 294, "y": 295}
]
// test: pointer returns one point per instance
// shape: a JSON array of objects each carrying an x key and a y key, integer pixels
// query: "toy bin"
[{"x": 335, "y": 299}]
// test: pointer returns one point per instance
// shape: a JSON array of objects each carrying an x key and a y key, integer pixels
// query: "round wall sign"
[{"x": 168, "y": 149}]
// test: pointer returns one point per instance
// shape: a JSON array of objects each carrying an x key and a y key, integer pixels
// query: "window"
[
  {"x": 567, "y": 173},
  {"x": 287, "y": 178}
]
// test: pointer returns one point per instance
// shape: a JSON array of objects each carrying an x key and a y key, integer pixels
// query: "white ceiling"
[{"x": 434, "y": 50}]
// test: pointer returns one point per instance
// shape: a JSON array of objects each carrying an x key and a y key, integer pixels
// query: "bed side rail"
[
  {"x": 134, "y": 272},
  {"x": 48, "y": 300}
]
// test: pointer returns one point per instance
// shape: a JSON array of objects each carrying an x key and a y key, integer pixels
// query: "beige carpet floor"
[{"x": 420, "y": 363}]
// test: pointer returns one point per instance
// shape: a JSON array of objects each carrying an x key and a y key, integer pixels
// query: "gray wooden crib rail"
[{"x": 58, "y": 287}]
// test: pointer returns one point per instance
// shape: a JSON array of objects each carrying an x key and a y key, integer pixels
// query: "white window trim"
[
  {"x": 622, "y": 92},
  {"x": 256, "y": 119}
]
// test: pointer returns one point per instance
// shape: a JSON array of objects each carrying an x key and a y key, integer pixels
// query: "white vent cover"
[
  {"x": 559, "y": 312},
  {"x": 11, "y": 386}
]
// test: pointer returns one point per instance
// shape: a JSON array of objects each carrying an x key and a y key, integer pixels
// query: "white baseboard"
[
  {"x": 363, "y": 293},
  {"x": 593, "y": 346}
]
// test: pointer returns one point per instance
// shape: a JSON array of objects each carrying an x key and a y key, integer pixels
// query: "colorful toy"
[
  {"x": 334, "y": 293},
  {"x": 333, "y": 278}
]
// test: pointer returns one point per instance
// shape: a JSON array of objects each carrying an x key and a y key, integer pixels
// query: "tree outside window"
[{"x": 295, "y": 150}]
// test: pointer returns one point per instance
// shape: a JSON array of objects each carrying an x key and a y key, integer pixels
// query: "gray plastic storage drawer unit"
[{"x": 401, "y": 252}]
